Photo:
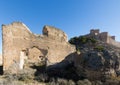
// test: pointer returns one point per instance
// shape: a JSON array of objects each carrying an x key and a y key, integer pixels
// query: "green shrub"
[
  {"x": 93, "y": 40},
  {"x": 84, "y": 82},
  {"x": 25, "y": 78},
  {"x": 74, "y": 40},
  {"x": 83, "y": 39},
  {"x": 61, "y": 82},
  {"x": 42, "y": 77},
  {"x": 80, "y": 41},
  {"x": 99, "y": 48}
]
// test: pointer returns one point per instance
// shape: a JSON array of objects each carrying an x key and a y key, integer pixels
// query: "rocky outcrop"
[
  {"x": 20, "y": 45},
  {"x": 97, "y": 65},
  {"x": 97, "y": 60}
]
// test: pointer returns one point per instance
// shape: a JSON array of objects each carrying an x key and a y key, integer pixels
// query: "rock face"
[
  {"x": 97, "y": 65},
  {"x": 20, "y": 45},
  {"x": 97, "y": 60}
]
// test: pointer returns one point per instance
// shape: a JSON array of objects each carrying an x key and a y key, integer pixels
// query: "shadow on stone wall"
[
  {"x": 1, "y": 70},
  {"x": 64, "y": 69},
  {"x": 85, "y": 66}
]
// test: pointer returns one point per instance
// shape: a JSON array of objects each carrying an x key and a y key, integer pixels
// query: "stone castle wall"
[
  {"x": 104, "y": 36},
  {"x": 20, "y": 44}
]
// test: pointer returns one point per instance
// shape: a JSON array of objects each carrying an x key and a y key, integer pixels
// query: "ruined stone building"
[
  {"x": 104, "y": 36},
  {"x": 20, "y": 44}
]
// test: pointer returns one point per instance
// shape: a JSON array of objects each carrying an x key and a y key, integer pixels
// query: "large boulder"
[{"x": 97, "y": 65}]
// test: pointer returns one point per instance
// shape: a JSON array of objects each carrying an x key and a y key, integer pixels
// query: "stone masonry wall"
[
  {"x": 1, "y": 62},
  {"x": 104, "y": 36},
  {"x": 113, "y": 42},
  {"x": 20, "y": 44}
]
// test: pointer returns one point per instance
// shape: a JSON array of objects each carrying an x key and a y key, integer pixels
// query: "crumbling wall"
[
  {"x": 113, "y": 37},
  {"x": 19, "y": 43},
  {"x": 16, "y": 38},
  {"x": 104, "y": 36},
  {"x": 94, "y": 31},
  {"x": 113, "y": 42},
  {"x": 55, "y": 34}
]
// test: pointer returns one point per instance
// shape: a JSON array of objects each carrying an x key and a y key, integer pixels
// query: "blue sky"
[{"x": 74, "y": 17}]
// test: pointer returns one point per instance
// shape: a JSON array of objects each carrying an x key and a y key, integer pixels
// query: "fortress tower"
[{"x": 104, "y": 36}]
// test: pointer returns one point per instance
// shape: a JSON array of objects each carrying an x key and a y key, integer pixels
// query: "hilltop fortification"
[{"x": 104, "y": 37}]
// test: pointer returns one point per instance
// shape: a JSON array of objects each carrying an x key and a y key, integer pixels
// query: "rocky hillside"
[{"x": 97, "y": 60}]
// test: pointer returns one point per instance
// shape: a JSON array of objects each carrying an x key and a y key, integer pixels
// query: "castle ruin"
[
  {"x": 104, "y": 37},
  {"x": 21, "y": 45}
]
